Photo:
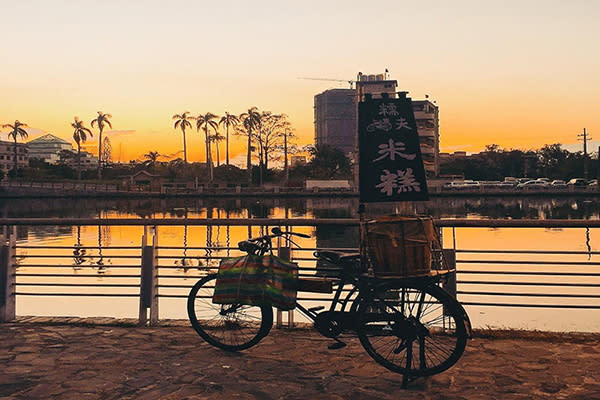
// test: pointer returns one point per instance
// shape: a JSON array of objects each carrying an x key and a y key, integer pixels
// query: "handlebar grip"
[
  {"x": 304, "y": 235},
  {"x": 278, "y": 232}
]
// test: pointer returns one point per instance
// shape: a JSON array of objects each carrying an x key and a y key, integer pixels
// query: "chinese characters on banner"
[{"x": 390, "y": 162}]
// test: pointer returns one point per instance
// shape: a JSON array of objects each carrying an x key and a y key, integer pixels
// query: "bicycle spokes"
[{"x": 411, "y": 330}]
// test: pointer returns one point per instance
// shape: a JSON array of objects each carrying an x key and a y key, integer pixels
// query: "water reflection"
[
  {"x": 99, "y": 263},
  {"x": 322, "y": 207},
  {"x": 79, "y": 253}
]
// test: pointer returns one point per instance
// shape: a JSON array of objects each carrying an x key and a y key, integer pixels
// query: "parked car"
[
  {"x": 469, "y": 184},
  {"x": 532, "y": 184},
  {"x": 577, "y": 182},
  {"x": 490, "y": 184},
  {"x": 557, "y": 183},
  {"x": 543, "y": 180},
  {"x": 507, "y": 184},
  {"x": 453, "y": 185}
]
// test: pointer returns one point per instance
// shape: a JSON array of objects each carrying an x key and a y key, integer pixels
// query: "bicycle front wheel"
[
  {"x": 412, "y": 330},
  {"x": 230, "y": 327}
]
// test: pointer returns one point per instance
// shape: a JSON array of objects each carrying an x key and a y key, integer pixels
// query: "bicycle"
[{"x": 408, "y": 325}]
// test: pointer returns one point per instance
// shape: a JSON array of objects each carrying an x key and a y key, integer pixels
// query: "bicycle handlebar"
[
  {"x": 279, "y": 232},
  {"x": 262, "y": 244}
]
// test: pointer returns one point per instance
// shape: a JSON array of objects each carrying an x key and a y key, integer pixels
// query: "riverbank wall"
[{"x": 111, "y": 191}]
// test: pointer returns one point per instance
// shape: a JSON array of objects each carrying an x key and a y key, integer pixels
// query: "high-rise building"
[
  {"x": 336, "y": 118},
  {"x": 428, "y": 125}
]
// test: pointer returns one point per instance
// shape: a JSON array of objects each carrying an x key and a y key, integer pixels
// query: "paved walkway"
[{"x": 82, "y": 361}]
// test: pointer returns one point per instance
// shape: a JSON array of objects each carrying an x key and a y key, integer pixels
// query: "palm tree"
[
  {"x": 250, "y": 120},
  {"x": 228, "y": 120},
  {"x": 79, "y": 135},
  {"x": 101, "y": 120},
  {"x": 16, "y": 130},
  {"x": 151, "y": 158},
  {"x": 183, "y": 123},
  {"x": 208, "y": 121},
  {"x": 217, "y": 137}
]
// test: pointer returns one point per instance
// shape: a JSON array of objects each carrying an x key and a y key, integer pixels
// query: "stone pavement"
[{"x": 90, "y": 361}]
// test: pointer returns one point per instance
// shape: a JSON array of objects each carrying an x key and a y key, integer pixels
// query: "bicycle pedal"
[
  {"x": 315, "y": 309},
  {"x": 336, "y": 345}
]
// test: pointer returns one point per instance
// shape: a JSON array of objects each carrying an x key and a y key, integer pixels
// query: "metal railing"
[{"x": 150, "y": 273}]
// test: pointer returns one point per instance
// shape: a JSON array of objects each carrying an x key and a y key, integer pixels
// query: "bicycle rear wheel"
[
  {"x": 231, "y": 327},
  {"x": 412, "y": 330}
]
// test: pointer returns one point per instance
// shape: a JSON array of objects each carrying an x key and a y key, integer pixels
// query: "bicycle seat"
[{"x": 336, "y": 257}]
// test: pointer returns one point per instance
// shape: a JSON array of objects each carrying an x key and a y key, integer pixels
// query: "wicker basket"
[{"x": 400, "y": 246}]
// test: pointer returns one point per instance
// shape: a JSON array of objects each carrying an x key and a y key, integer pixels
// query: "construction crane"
[{"x": 351, "y": 82}]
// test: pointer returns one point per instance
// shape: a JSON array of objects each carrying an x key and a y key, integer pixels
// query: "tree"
[
  {"x": 66, "y": 157},
  {"x": 151, "y": 158},
  {"x": 182, "y": 121},
  {"x": 249, "y": 120},
  {"x": 80, "y": 136},
  {"x": 269, "y": 135},
  {"x": 216, "y": 138},
  {"x": 17, "y": 130},
  {"x": 329, "y": 163},
  {"x": 101, "y": 120},
  {"x": 106, "y": 151},
  {"x": 208, "y": 120},
  {"x": 551, "y": 157},
  {"x": 287, "y": 134},
  {"x": 228, "y": 120}
]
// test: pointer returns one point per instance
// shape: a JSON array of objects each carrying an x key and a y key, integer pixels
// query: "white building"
[
  {"x": 7, "y": 154},
  {"x": 47, "y": 148}
]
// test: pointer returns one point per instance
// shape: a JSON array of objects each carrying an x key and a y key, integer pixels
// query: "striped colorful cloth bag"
[{"x": 257, "y": 281}]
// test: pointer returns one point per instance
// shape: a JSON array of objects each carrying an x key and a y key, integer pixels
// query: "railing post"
[
  {"x": 7, "y": 276},
  {"x": 285, "y": 253},
  {"x": 148, "y": 281},
  {"x": 449, "y": 284}
]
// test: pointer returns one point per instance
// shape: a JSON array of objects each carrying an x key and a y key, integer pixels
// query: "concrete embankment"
[{"x": 41, "y": 192}]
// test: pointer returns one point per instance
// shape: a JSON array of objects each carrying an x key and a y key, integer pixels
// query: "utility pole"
[
  {"x": 285, "y": 162},
  {"x": 584, "y": 137}
]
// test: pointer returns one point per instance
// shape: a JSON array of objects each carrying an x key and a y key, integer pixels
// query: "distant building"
[
  {"x": 453, "y": 156},
  {"x": 336, "y": 118},
  {"x": 7, "y": 153},
  {"x": 48, "y": 147},
  {"x": 428, "y": 125},
  {"x": 298, "y": 161},
  {"x": 87, "y": 160}
]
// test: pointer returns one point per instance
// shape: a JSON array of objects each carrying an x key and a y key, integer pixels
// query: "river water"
[{"x": 185, "y": 238}]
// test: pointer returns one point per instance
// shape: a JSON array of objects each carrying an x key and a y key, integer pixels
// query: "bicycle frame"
[{"x": 337, "y": 300}]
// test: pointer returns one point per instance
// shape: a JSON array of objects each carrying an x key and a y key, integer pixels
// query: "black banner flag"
[{"x": 390, "y": 162}]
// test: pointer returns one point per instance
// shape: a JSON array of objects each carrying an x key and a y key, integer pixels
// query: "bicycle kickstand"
[{"x": 337, "y": 345}]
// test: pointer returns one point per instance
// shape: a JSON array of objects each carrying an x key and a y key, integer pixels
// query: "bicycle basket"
[{"x": 400, "y": 246}]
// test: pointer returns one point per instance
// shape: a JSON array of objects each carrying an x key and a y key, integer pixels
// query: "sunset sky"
[{"x": 516, "y": 73}]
